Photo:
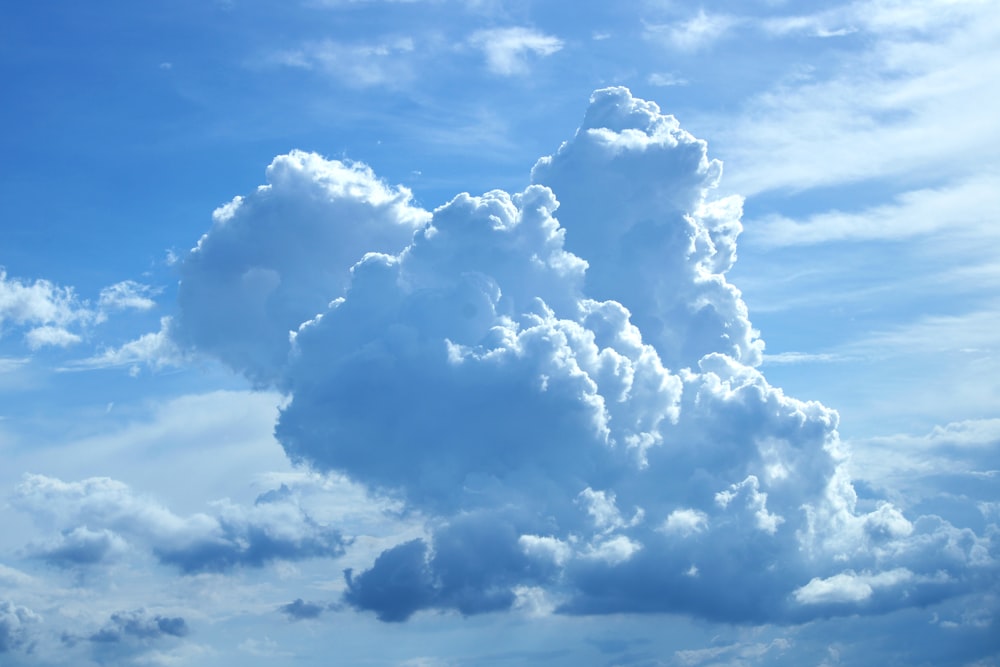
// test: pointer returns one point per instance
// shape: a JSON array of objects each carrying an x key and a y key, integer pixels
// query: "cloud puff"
[
  {"x": 139, "y": 625},
  {"x": 299, "y": 609},
  {"x": 127, "y": 294},
  {"x": 44, "y": 308},
  {"x": 102, "y": 516},
  {"x": 51, "y": 336},
  {"x": 132, "y": 637},
  {"x": 15, "y": 622},
  {"x": 49, "y": 313},
  {"x": 563, "y": 384},
  {"x": 278, "y": 256},
  {"x": 507, "y": 49}
]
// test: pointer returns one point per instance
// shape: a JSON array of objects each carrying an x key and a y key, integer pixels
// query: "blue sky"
[{"x": 440, "y": 332}]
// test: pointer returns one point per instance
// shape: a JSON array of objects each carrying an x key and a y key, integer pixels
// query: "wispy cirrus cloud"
[
  {"x": 959, "y": 209},
  {"x": 693, "y": 34},
  {"x": 386, "y": 62},
  {"x": 878, "y": 112},
  {"x": 508, "y": 50}
]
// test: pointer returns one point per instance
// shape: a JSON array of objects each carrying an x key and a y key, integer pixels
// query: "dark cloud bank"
[{"x": 563, "y": 381}]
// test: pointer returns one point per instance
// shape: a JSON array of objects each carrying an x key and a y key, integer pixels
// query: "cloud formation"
[
  {"x": 507, "y": 49},
  {"x": 139, "y": 625},
  {"x": 51, "y": 315},
  {"x": 15, "y": 622},
  {"x": 46, "y": 310},
  {"x": 563, "y": 383},
  {"x": 386, "y": 62},
  {"x": 254, "y": 277},
  {"x": 698, "y": 32},
  {"x": 101, "y": 518}
]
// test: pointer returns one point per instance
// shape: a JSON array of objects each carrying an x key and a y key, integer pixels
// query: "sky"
[{"x": 434, "y": 333}]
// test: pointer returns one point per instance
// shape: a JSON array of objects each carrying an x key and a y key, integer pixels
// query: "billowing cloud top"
[
  {"x": 562, "y": 382},
  {"x": 276, "y": 257}
]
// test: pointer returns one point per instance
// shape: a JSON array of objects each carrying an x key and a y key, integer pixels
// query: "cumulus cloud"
[
  {"x": 53, "y": 316},
  {"x": 849, "y": 586},
  {"x": 139, "y": 625},
  {"x": 50, "y": 336},
  {"x": 132, "y": 637},
  {"x": 562, "y": 384},
  {"x": 276, "y": 257},
  {"x": 102, "y": 517},
  {"x": 15, "y": 624},
  {"x": 44, "y": 308},
  {"x": 507, "y": 49}
]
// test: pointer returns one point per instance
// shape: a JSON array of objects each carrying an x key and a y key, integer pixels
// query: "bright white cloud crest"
[{"x": 561, "y": 381}]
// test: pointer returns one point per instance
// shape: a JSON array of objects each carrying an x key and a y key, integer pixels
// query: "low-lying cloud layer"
[
  {"x": 561, "y": 381},
  {"x": 101, "y": 519}
]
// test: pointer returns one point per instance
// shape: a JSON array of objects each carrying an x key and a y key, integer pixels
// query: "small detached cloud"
[
  {"x": 102, "y": 518},
  {"x": 698, "y": 32},
  {"x": 362, "y": 65},
  {"x": 507, "y": 49},
  {"x": 299, "y": 610},
  {"x": 46, "y": 310},
  {"x": 139, "y": 625},
  {"x": 665, "y": 79},
  {"x": 50, "y": 336},
  {"x": 564, "y": 386},
  {"x": 127, "y": 294}
]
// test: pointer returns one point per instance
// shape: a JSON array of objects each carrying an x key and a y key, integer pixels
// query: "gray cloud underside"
[{"x": 102, "y": 519}]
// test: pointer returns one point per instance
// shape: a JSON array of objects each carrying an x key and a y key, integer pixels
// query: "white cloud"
[
  {"x": 305, "y": 229},
  {"x": 735, "y": 654},
  {"x": 849, "y": 586},
  {"x": 155, "y": 350},
  {"x": 127, "y": 294},
  {"x": 686, "y": 522},
  {"x": 899, "y": 108},
  {"x": 52, "y": 316},
  {"x": 50, "y": 336},
  {"x": 44, "y": 307},
  {"x": 533, "y": 374},
  {"x": 968, "y": 205},
  {"x": 933, "y": 334},
  {"x": 946, "y": 462},
  {"x": 696, "y": 33},
  {"x": 800, "y": 357},
  {"x": 613, "y": 551},
  {"x": 507, "y": 49},
  {"x": 665, "y": 79},
  {"x": 383, "y": 63}
]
